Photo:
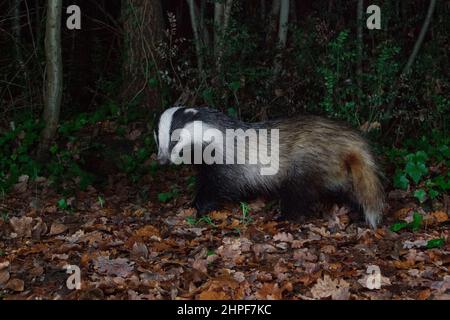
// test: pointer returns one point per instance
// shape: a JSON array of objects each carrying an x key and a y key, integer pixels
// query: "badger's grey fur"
[{"x": 318, "y": 159}]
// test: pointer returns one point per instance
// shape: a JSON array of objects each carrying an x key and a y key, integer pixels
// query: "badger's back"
[{"x": 317, "y": 157}]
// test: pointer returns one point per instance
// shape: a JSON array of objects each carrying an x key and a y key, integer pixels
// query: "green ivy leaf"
[
  {"x": 401, "y": 181},
  {"x": 417, "y": 222},
  {"x": 421, "y": 195},
  {"x": 416, "y": 170},
  {"x": 396, "y": 227},
  {"x": 433, "y": 193},
  {"x": 435, "y": 243},
  {"x": 62, "y": 204},
  {"x": 165, "y": 196}
]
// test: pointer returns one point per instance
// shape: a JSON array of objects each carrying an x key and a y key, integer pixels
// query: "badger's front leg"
[
  {"x": 205, "y": 201},
  {"x": 207, "y": 198},
  {"x": 297, "y": 198}
]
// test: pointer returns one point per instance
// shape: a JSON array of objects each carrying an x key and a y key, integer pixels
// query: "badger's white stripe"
[
  {"x": 165, "y": 122},
  {"x": 191, "y": 110}
]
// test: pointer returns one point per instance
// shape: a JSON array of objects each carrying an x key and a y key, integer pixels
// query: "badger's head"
[{"x": 174, "y": 132}]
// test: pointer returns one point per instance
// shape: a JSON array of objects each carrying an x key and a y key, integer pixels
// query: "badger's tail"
[{"x": 367, "y": 187}]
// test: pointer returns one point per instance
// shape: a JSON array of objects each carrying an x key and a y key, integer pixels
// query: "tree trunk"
[
  {"x": 194, "y": 24},
  {"x": 283, "y": 27},
  {"x": 282, "y": 34},
  {"x": 218, "y": 24},
  {"x": 17, "y": 33},
  {"x": 419, "y": 40},
  {"x": 54, "y": 80},
  {"x": 224, "y": 28},
  {"x": 203, "y": 31},
  {"x": 272, "y": 26},
  {"x": 293, "y": 10},
  {"x": 143, "y": 26},
  {"x": 360, "y": 43}
]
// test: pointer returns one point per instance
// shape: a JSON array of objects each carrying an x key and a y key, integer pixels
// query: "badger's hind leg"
[{"x": 297, "y": 198}]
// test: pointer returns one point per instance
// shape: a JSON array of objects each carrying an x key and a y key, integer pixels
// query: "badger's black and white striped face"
[{"x": 172, "y": 119}]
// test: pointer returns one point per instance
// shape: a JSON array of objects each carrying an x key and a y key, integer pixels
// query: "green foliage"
[
  {"x": 435, "y": 243},
  {"x": 415, "y": 225},
  {"x": 413, "y": 168},
  {"x": 16, "y": 147},
  {"x": 168, "y": 196},
  {"x": 245, "y": 218},
  {"x": 204, "y": 219},
  {"x": 62, "y": 204}
]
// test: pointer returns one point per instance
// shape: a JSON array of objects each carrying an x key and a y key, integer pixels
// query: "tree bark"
[
  {"x": 54, "y": 79},
  {"x": 17, "y": 32},
  {"x": 282, "y": 35},
  {"x": 143, "y": 27},
  {"x": 200, "y": 12},
  {"x": 272, "y": 26},
  {"x": 218, "y": 24},
  {"x": 420, "y": 38},
  {"x": 194, "y": 24},
  {"x": 283, "y": 27},
  {"x": 360, "y": 43},
  {"x": 226, "y": 23}
]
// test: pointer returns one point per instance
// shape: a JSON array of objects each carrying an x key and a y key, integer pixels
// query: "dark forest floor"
[{"x": 131, "y": 248}]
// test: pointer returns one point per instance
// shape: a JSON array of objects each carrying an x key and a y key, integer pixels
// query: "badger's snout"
[{"x": 163, "y": 160}]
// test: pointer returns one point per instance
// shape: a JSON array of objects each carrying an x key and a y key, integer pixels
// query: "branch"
[{"x": 419, "y": 40}]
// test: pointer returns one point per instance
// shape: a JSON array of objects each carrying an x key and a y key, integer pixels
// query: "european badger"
[{"x": 318, "y": 158}]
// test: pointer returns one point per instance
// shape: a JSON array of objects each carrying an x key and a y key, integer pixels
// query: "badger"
[{"x": 299, "y": 161}]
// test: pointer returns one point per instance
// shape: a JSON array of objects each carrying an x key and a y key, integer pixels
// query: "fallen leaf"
[
  {"x": 57, "y": 228},
  {"x": 139, "y": 250},
  {"x": 16, "y": 285},
  {"x": 118, "y": 267},
  {"x": 147, "y": 232},
  {"x": 414, "y": 244},
  {"x": 437, "y": 216},
  {"x": 218, "y": 215},
  {"x": 22, "y": 184},
  {"x": 213, "y": 295},
  {"x": 283, "y": 237},
  {"x": 39, "y": 229},
  {"x": 327, "y": 287},
  {"x": 269, "y": 291},
  {"x": 4, "y": 276},
  {"x": 22, "y": 226}
]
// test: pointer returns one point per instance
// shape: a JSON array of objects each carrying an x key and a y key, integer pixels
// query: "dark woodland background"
[{"x": 81, "y": 120}]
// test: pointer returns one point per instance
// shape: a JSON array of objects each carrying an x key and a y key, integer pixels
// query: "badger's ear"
[
  {"x": 190, "y": 114},
  {"x": 192, "y": 111}
]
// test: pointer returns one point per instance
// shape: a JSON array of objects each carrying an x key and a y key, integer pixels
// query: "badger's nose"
[{"x": 162, "y": 160}]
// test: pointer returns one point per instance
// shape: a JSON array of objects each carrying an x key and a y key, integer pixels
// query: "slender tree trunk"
[
  {"x": 282, "y": 34},
  {"x": 293, "y": 11},
  {"x": 54, "y": 72},
  {"x": 17, "y": 32},
  {"x": 283, "y": 27},
  {"x": 272, "y": 26},
  {"x": 360, "y": 43},
  {"x": 419, "y": 40},
  {"x": 203, "y": 31},
  {"x": 143, "y": 26},
  {"x": 218, "y": 24},
  {"x": 226, "y": 23},
  {"x": 195, "y": 31}
]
